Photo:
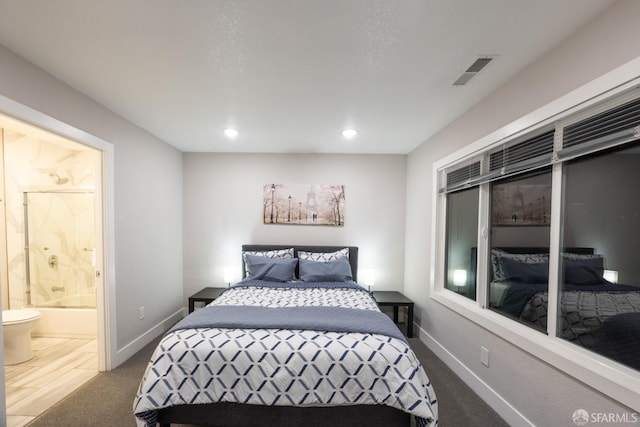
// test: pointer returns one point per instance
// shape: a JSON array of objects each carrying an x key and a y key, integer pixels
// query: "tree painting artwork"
[{"x": 309, "y": 204}]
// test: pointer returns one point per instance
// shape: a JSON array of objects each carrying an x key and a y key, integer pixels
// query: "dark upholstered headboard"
[
  {"x": 353, "y": 253},
  {"x": 542, "y": 250},
  {"x": 521, "y": 250}
]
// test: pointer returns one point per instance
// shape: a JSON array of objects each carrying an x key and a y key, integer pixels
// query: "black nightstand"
[
  {"x": 396, "y": 299},
  {"x": 204, "y": 296}
]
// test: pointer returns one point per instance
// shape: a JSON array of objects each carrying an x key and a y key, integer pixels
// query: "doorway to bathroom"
[{"x": 51, "y": 261}]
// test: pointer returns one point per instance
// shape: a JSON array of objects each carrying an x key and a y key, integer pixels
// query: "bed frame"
[
  {"x": 242, "y": 415},
  {"x": 238, "y": 415}
]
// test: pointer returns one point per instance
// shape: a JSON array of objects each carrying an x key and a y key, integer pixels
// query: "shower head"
[{"x": 58, "y": 180}]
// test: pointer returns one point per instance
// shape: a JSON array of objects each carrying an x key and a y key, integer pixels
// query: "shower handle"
[{"x": 53, "y": 261}]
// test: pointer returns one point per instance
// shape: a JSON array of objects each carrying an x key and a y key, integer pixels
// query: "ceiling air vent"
[{"x": 473, "y": 70}]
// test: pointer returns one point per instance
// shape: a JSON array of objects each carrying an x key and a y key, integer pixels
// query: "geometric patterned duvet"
[
  {"x": 582, "y": 313},
  {"x": 286, "y": 367}
]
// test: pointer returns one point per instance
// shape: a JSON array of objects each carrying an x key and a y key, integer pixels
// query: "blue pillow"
[
  {"x": 525, "y": 272},
  {"x": 319, "y": 271},
  {"x": 271, "y": 269},
  {"x": 587, "y": 271}
]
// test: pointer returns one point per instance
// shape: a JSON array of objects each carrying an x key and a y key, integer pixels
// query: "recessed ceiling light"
[
  {"x": 231, "y": 133},
  {"x": 349, "y": 133}
]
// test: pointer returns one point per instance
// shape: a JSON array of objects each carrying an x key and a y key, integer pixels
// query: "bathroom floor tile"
[
  {"x": 59, "y": 367},
  {"x": 16, "y": 394},
  {"x": 42, "y": 398},
  {"x": 14, "y": 371},
  {"x": 90, "y": 347},
  {"x": 18, "y": 420},
  {"x": 55, "y": 352},
  {"x": 43, "y": 343}
]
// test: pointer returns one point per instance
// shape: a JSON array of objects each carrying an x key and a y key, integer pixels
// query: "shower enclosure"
[{"x": 60, "y": 249}]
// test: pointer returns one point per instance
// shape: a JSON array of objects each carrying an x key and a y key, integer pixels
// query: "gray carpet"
[{"x": 107, "y": 399}]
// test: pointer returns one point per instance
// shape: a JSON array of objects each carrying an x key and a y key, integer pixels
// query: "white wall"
[
  {"x": 223, "y": 209},
  {"x": 518, "y": 384},
  {"x": 147, "y": 212}
]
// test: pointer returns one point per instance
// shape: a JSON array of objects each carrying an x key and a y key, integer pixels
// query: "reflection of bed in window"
[{"x": 592, "y": 310}]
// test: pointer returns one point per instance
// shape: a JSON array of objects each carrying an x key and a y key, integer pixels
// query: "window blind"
[
  {"x": 529, "y": 154},
  {"x": 462, "y": 177},
  {"x": 511, "y": 158},
  {"x": 614, "y": 126}
]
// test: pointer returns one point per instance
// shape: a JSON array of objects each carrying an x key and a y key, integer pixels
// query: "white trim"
[
  {"x": 613, "y": 379},
  {"x": 482, "y": 253},
  {"x": 107, "y": 260},
  {"x": 139, "y": 343},
  {"x": 438, "y": 235},
  {"x": 3, "y": 279},
  {"x": 553, "y": 290},
  {"x": 510, "y": 414}
]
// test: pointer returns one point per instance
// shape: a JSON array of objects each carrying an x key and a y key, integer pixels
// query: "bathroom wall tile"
[{"x": 34, "y": 164}]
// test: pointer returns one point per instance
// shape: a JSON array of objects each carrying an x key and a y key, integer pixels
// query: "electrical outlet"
[
  {"x": 141, "y": 313},
  {"x": 484, "y": 356}
]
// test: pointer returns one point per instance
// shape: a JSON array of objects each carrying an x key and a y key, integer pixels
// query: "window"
[
  {"x": 519, "y": 245},
  {"x": 461, "y": 239},
  {"x": 543, "y": 229},
  {"x": 600, "y": 292}
]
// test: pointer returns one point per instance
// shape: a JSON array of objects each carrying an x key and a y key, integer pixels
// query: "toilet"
[{"x": 16, "y": 327}]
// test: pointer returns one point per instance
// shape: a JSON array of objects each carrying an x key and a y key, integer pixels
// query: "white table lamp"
[
  {"x": 229, "y": 275},
  {"x": 611, "y": 276},
  {"x": 459, "y": 278},
  {"x": 368, "y": 278}
]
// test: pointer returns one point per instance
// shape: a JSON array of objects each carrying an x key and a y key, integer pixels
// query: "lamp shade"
[
  {"x": 229, "y": 275},
  {"x": 611, "y": 276},
  {"x": 368, "y": 277},
  {"x": 459, "y": 278}
]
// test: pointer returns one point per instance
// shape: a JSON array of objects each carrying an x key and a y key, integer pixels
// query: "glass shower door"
[{"x": 60, "y": 242}]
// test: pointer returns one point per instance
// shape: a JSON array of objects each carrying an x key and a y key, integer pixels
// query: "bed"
[
  {"x": 297, "y": 342},
  {"x": 590, "y": 306}
]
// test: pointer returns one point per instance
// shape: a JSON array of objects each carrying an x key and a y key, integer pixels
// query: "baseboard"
[
  {"x": 139, "y": 343},
  {"x": 511, "y": 415}
]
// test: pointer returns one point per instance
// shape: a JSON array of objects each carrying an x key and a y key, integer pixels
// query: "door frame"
[{"x": 105, "y": 221}]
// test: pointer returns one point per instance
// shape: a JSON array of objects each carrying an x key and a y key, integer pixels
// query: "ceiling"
[{"x": 289, "y": 75}]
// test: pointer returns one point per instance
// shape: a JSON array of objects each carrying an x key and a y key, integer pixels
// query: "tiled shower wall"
[{"x": 30, "y": 165}]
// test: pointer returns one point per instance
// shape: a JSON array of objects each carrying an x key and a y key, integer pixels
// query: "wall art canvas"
[
  {"x": 521, "y": 205},
  {"x": 303, "y": 204}
]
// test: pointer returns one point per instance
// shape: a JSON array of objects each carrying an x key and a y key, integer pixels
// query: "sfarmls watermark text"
[{"x": 582, "y": 417}]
